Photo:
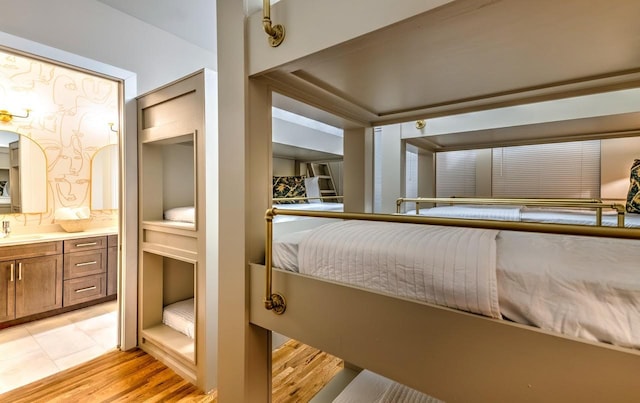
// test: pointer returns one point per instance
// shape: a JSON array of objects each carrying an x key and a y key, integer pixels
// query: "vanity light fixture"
[{"x": 6, "y": 117}]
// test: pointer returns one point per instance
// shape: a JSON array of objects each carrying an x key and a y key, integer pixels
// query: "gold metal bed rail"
[
  {"x": 277, "y": 302},
  {"x": 588, "y": 204}
]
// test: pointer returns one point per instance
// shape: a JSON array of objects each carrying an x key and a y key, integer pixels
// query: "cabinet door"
[
  {"x": 7, "y": 291},
  {"x": 38, "y": 285}
]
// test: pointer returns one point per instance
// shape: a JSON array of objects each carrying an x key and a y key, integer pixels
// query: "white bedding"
[
  {"x": 180, "y": 316},
  {"x": 305, "y": 206},
  {"x": 369, "y": 387},
  {"x": 501, "y": 213},
  {"x": 528, "y": 214},
  {"x": 181, "y": 214},
  {"x": 578, "y": 286}
]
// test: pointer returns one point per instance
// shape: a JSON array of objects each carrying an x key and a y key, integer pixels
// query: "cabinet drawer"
[
  {"x": 80, "y": 244},
  {"x": 84, "y": 289},
  {"x": 80, "y": 264}
]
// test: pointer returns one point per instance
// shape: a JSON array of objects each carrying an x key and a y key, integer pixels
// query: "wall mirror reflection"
[
  {"x": 104, "y": 178},
  {"x": 23, "y": 175}
]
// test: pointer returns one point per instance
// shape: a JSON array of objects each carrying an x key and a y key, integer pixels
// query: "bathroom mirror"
[
  {"x": 23, "y": 175},
  {"x": 104, "y": 178}
]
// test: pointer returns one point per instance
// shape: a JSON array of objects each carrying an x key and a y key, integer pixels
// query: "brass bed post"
[{"x": 272, "y": 301}]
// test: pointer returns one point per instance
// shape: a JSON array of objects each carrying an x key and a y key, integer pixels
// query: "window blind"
[
  {"x": 565, "y": 170},
  {"x": 456, "y": 174}
]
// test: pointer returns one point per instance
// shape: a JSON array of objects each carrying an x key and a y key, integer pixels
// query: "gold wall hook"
[
  {"x": 275, "y": 32},
  {"x": 420, "y": 124}
]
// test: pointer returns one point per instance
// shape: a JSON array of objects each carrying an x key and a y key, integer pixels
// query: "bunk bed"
[{"x": 451, "y": 354}]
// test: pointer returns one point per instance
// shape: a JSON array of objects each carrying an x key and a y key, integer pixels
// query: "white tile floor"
[{"x": 38, "y": 349}]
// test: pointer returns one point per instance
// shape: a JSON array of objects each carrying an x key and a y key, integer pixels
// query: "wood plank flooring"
[{"x": 299, "y": 372}]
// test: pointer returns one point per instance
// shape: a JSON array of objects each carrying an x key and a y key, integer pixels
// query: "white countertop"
[{"x": 19, "y": 239}]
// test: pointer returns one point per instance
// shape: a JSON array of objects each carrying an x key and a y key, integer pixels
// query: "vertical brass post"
[{"x": 275, "y": 32}]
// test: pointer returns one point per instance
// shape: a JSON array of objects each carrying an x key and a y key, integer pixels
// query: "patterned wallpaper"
[{"x": 70, "y": 115}]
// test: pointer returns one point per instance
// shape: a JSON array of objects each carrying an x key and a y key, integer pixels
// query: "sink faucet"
[{"x": 6, "y": 228}]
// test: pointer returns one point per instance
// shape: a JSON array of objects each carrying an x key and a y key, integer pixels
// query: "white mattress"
[
  {"x": 369, "y": 387},
  {"x": 501, "y": 213},
  {"x": 528, "y": 214},
  {"x": 305, "y": 206},
  {"x": 181, "y": 214},
  {"x": 585, "y": 287},
  {"x": 180, "y": 316}
]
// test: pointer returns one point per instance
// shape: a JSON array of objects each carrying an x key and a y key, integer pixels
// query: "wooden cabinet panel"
[
  {"x": 82, "y": 244},
  {"x": 32, "y": 250},
  {"x": 84, "y": 289},
  {"x": 112, "y": 271},
  {"x": 80, "y": 264},
  {"x": 112, "y": 241},
  {"x": 38, "y": 285},
  {"x": 7, "y": 291}
]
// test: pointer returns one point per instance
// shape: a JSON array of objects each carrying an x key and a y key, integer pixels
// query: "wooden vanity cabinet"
[{"x": 30, "y": 285}]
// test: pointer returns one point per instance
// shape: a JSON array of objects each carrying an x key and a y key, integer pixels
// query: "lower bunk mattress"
[
  {"x": 180, "y": 317},
  {"x": 578, "y": 286},
  {"x": 369, "y": 387}
]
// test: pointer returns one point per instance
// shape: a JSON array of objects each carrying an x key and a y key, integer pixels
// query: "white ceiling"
[{"x": 191, "y": 20}]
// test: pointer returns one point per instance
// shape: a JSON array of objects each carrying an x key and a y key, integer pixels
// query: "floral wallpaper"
[{"x": 69, "y": 119}]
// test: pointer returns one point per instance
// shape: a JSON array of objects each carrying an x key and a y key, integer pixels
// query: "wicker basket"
[{"x": 78, "y": 225}]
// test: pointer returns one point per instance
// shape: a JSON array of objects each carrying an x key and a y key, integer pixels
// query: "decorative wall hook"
[{"x": 420, "y": 124}]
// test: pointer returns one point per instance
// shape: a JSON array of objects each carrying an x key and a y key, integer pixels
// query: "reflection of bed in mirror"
[
  {"x": 301, "y": 193},
  {"x": 550, "y": 211}
]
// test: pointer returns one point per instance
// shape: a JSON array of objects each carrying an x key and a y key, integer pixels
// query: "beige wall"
[
  {"x": 616, "y": 156},
  {"x": 283, "y": 167}
]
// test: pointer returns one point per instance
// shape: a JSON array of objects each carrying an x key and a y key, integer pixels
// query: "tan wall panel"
[{"x": 616, "y": 156}]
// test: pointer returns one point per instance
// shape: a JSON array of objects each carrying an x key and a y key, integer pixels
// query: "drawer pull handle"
[
  {"x": 80, "y": 245},
  {"x": 86, "y": 263},
  {"x": 20, "y": 271},
  {"x": 93, "y": 287},
  {"x": 11, "y": 271}
]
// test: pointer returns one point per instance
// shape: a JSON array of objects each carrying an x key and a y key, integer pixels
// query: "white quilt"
[{"x": 454, "y": 267}]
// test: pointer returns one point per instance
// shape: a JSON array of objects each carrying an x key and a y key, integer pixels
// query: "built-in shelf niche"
[
  {"x": 169, "y": 180},
  {"x": 165, "y": 280}
]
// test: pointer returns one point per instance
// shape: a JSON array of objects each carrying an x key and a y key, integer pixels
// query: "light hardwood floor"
[{"x": 299, "y": 372}]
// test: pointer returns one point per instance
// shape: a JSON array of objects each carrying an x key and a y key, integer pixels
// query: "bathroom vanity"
[{"x": 47, "y": 274}]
